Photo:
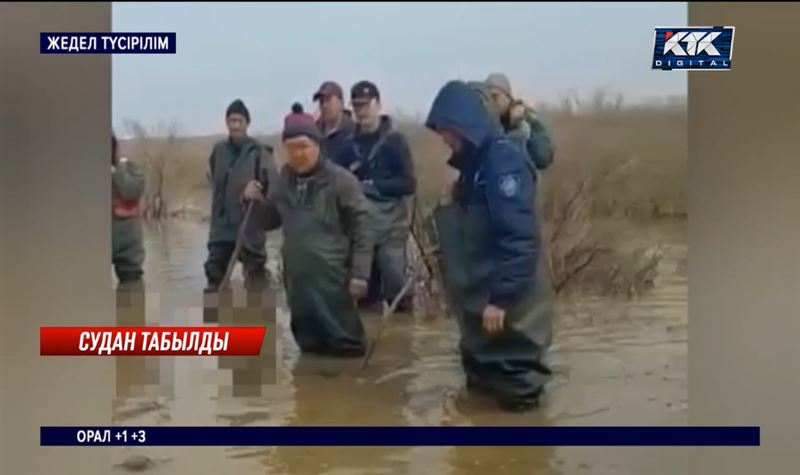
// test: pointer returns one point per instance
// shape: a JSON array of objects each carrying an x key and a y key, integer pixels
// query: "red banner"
[{"x": 151, "y": 341}]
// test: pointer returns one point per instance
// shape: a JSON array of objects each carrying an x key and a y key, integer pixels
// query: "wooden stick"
[
  {"x": 387, "y": 312},
  {"x": 237, "y": 249}
]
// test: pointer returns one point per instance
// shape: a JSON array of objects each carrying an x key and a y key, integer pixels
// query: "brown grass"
[{"x": 614, "y": 166}]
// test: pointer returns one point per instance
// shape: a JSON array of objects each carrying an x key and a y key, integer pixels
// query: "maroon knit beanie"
[{"x": 295, "y": 125}]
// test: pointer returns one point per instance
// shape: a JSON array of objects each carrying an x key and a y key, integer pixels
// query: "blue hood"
[{"x": 459, "y": 107}]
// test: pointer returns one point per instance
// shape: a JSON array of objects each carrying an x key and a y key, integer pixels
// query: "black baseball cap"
[
  {"x": 364, "y": 91},
  {"x": 327, "y": 89}
]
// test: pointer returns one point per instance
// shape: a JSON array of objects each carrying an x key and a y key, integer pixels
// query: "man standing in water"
[
  {"x": 380, "y": 158},
  {"x": 128, "y": 254},
  {"x": 490, "y": 242},
  {"x": 335, "y": 123},
  {"x": 232, "y": 164},
  {"x": 327, "y": 245},
  {"x": 127, "y": 187}
]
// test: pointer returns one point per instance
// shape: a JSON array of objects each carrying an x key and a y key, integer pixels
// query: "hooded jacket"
[
  {"x": 494, "y": 176},
  {"x": 531, "y": 133}
]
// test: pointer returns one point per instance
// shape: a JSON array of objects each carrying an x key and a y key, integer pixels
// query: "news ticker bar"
[
  {"x": 107, "y": 43},
  {"x": 401, "y": 436},
  {"x": 151, "y": 341}
]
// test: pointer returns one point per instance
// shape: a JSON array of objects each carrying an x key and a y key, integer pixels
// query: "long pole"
[
  {"x": 237, "y": 248},
  {"x": 387, "y": 312}
]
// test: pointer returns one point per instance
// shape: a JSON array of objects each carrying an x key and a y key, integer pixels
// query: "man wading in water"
[
  {"x": 379, "y": 156},
  {"x": 232, "y": 164},
  {"x": 327, "y": 246},
  {"x": 490, "y": 242},
  {"x": 127, "y": 186}
]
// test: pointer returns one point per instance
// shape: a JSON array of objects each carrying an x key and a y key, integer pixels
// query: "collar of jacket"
[
  {"x": 318, "y": 172},
  {"x": 245, "y": 145},
  {"x": 467, "y": 158},
  {"x": 345, "y": 123}
]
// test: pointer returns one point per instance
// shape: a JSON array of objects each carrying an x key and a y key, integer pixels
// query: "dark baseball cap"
[
  {"x": 364, "y": 91},
  {"x": 327, "y": 89}
]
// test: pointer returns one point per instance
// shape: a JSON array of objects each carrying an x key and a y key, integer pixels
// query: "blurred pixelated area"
[{"x": 146, "y": 384}]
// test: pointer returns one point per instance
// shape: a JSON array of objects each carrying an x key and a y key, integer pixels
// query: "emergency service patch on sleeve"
[{"x": 509, "y": 185}]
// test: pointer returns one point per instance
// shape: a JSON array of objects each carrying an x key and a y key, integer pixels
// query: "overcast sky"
[{"x": 271, "y": 55}]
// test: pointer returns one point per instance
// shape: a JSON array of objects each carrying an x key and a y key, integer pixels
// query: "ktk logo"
[
  {"x": 696, "y": 43},
  {"x": 707, "y": 48}
]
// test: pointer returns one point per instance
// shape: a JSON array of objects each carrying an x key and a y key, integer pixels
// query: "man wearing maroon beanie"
[
  {"x": 327, "y": 246},
  {"x": 300, "y": 124}
]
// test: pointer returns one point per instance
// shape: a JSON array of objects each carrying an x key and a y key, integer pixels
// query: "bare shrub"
[
  {"x": 570, "y": 247},
  {"x": 580, "y": 257},
  {"x": 153, "y": 154},
  {"x": 425, "y": 258}
]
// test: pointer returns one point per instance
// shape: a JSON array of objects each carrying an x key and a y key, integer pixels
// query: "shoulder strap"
[
  {"x": 355, "y": 166},
  {"x": 381, "y": 141}
]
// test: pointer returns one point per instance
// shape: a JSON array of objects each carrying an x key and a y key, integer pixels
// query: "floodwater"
[{"x": 615, "y": 363}]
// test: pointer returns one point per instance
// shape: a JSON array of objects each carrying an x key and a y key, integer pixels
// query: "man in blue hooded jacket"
[{"x": 490, "y": 243}]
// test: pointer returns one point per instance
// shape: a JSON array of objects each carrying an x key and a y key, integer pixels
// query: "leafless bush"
[
  {"x": 153, "y": 155},
  {"x": 425, "y": 258},
  {"x": 570, "y": 248},
  {"x": 578, "y": 256}
]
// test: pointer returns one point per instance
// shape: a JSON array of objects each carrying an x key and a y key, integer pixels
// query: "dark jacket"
[
  {"x": 337, "y": 201},
  {"x": 381, "y": 161},
  {"x": 333, "y": 142},
  {"x": 534, "y": 136},
  {"x": 494, "y": 176},
  {"x": 230, "y": 168},
  {"x": 531, "y": 134}
]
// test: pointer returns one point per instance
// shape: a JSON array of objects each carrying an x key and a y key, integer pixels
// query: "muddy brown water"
[{"x": 615, "y": 363}]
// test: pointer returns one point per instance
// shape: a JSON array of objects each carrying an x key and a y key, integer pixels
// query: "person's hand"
[
  {"x": 516, "y": 113},
  {"x": 252, "y": 192},
  {"x": 358, "y": 287},
  {"x": 369, "y": 189},
  {"x": 493, "y": 319}
]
